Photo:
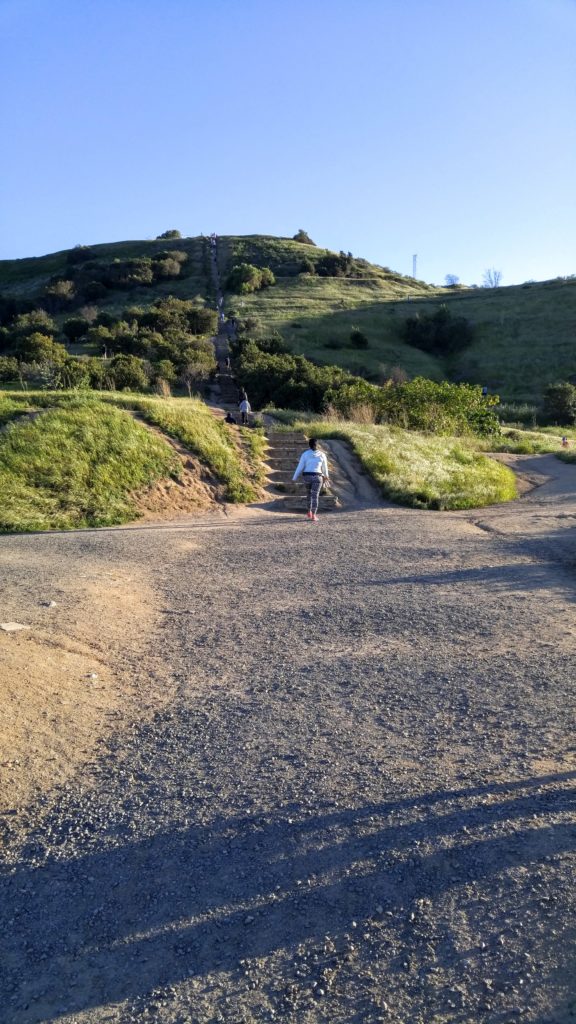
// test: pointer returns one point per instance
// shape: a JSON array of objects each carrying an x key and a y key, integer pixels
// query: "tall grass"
[
  {"x": 419, "y": 470},
  {"x": 191, "y": 421},
  {"x": 76, "y": 466}
]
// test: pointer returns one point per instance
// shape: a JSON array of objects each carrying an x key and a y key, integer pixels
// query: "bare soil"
[{"x": 324, "y": 774}]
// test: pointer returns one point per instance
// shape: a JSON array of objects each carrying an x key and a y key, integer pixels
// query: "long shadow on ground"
[{"x": 114, "y": 924}]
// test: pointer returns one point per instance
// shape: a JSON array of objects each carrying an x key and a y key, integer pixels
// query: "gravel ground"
[{"x": 353, "y": 799}]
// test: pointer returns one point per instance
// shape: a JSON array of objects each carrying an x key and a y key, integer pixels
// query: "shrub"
[
  {"x": 8, "y": 368},
  {"x": 560, "y": 403},
  {"x": 39, "y": 348},
  {"x": 439, "y": 333},
  {"x": 303, "y": 236},
  {"x": 171, "y": 233},
  {"x": 75, "y": 327},
  {"x": 307, "y": 266},
  {"x": 335, "y": 265},
  {"x": 437, "y": 408},
  {"x": 358, "y": 339},
  {"x": 129, "y": 372},
  {"x": 245, "y": 278}
]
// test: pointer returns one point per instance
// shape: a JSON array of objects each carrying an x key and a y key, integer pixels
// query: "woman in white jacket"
[{"x": 313, "y": 466}]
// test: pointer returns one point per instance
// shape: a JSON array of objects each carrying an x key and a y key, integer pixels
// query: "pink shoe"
[
  {"x": 309, "y": 515},
  {"x": 314, "y": 517}
]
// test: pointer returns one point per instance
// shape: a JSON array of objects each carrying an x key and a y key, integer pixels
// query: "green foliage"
[
  {"x": 560, "y": 403},
  {"x": 284, "y": 379},
  {"x": 425, "y": 405},
  {"x": 307, "y": 266},
  {"x": 171, "y": 233},
  {"x": 8, "y": 368},
  {"x": 192, "y": 422},
  {"x": 303, "y": 236},
  {"x": 358, "y": 339},
  {"x": 245, "y": 278},
  {"x": 39, "y": 348},
  {"x": 439, "y": 333},
  {"x": 421, "y": 470},
  {"x": 129, "y": 373},
  {"x": 336, "y": 265},
  {"x": 77, "y": 466},
  {"x": 75, "y": 327}
]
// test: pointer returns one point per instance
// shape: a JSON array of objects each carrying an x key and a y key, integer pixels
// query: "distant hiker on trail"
[
  {"x": 245, "y": 410},
  {"x": 313, "y": 466},
  {"x": 565, "y": 442}
]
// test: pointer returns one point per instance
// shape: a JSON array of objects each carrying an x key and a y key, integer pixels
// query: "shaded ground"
[{"x": 342, "y": 786}]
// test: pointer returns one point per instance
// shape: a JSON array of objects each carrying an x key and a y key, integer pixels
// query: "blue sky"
[{"x": 385, "y": 127}]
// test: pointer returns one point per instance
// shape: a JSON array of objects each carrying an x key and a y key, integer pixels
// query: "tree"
[
  {"x": 194, "y": 373},
  {"x": 8, "y": 368},
  {"x": 39, "y": 348},
  {"x": 59, "y": 294},
  {"x": 452, "y": 280},
  {"x": 129, "y": 372},
  {"x": 245, "y": 278},
  {"x": 491, "y": 278},
  {"x": 75, "y": 327},
  {"x": 560, "y": 403},
  {"x": 172, "y": 233},
  {"x": 303, "y": 236},
  {"x": 358, "y": 339}
]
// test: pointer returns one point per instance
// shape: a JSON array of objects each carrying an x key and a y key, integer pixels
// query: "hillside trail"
[
  {"x": 317, "y": 774},
  {"x": 297, "y": 773}
]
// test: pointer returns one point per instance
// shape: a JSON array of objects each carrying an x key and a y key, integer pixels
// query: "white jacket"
[{"x": 312, "y": 462}]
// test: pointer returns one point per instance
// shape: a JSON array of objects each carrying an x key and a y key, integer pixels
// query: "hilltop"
[{"x": 522, "y": 337}]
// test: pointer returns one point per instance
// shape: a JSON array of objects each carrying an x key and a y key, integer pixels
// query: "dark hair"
[{"x": 313, "y": 442}]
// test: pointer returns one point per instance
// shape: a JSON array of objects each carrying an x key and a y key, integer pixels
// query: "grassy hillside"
[
  {"x": 69, "y": 460},
  {"x": 27, "y": 277},
  {"x": 525, "y": 335}
]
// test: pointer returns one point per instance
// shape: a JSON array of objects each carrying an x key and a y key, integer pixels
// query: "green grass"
[
  {"x": 191, "y": 421},
  {"x": 255, "y": 445},
  {"x": 75, "y": 466},
  {"x": 76, "y": 460},
  {"x": 419, "y": 470},
  {"x": 524, "y": 334}
]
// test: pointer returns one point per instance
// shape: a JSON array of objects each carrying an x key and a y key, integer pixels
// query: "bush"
[
  {"x": 560, "y": 403},
  {"x": 172, "y": 233},
  {"x": 8, "y": 368},
  {"x": 439, "y": 333},
  {"x": 303, "y": 236},
  {"x": 307, "y": 266},
  {"x": 245, "y": 278},
  {"x": 437, "y": 408},
  {"x": 75, "y": 327},
  {"x": 129, "y": 372},
  {"x": 358, "y": 339},
  {"x": 335, "y": 265}
]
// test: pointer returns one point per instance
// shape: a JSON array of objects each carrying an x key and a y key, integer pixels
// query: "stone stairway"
[{"x": 284, "y": 450}]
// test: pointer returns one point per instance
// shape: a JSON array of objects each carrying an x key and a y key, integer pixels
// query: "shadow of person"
[{"x": 133, "y": 915}]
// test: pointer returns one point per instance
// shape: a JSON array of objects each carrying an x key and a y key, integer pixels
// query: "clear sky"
[{"x": 444, "y": 128}]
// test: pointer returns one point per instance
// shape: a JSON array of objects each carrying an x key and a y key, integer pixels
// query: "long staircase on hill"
[{"x": 284, "y": 450}]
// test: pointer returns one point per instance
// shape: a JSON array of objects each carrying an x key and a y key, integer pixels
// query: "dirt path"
[{"x": 341, "y": 786}]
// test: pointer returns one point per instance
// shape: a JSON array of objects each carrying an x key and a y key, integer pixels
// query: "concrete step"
[
  {"x": 293, "y": 435},
  {"x": 328, "y": 503}
]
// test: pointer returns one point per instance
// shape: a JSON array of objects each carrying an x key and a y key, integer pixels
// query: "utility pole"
[{"x": 414, "y": 263}]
